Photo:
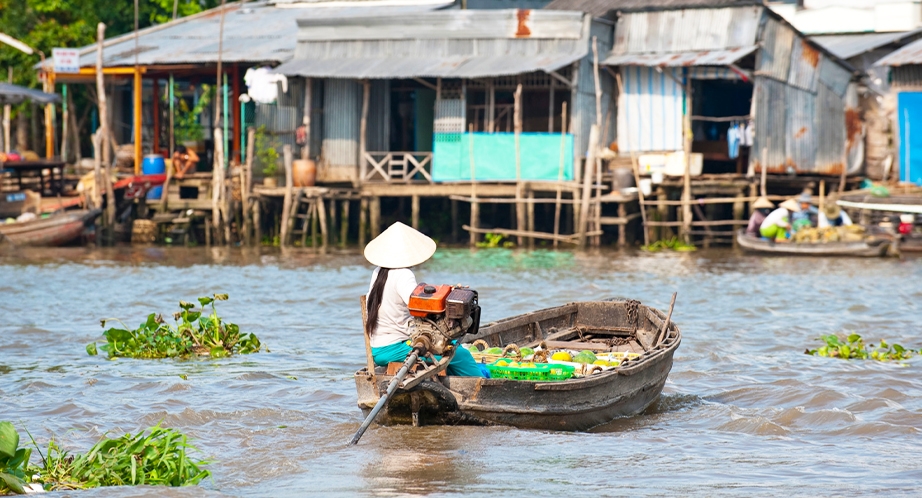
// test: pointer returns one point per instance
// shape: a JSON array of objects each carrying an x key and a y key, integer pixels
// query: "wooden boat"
[
  {"x": 874, "y": 247},
  {"x": 56, "y": 230},
  {"x": 577, "y": 404}
]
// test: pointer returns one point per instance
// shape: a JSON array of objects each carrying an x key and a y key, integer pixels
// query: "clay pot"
[
  {"x": 270, "y": 182},
  {"x": 303, "y": 172}
]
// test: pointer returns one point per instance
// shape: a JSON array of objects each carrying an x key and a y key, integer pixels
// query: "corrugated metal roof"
[
  {"x": 850, "y": 45},
  {"x": 701, "y": 58},
  {"x": 686, "y": 30},
  {"x": 253, "y": 32},
  {"x": 910, "y": 54},
  {"x": 599, "y": 8},
  {"x": 538, "y": 41}
]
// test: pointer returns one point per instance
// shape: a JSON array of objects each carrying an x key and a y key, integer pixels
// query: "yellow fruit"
[
  {"x": 600, "y": 362},
  {"x": 562, "y": 356},
  {"x": 502, "y": 363}
]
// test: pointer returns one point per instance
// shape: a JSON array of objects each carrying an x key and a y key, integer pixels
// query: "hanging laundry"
[
  {"x": 262, "y": 84},
  {"x": 733, "y": 141},
  {"x": 748, "y": 134}
]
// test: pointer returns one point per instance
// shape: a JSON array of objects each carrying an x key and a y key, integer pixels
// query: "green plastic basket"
[{"x": 540, "y": 372}]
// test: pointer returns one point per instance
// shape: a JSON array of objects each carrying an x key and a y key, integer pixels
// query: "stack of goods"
[
  {"x": 851, "y": 233},
  {"x": 516, "y": 363}
]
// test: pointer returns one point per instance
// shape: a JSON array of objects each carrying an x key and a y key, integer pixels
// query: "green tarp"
[{"x": 494, "y": 156}]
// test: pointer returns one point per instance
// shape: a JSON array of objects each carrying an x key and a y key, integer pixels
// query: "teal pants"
[{"x": 462, "y": 365}]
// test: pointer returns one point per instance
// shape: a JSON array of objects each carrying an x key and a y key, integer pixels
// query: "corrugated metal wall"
[
  {"x": 689, "y": 30},
  {"x": 582, "y": 114},
  {"x": 342, "y": 107},
  {"x": 908, "y": 77},
  {"x": 379, "y": 116},
  {"x": 649, "y": 111},
  {"x": 808, "y": 133}
]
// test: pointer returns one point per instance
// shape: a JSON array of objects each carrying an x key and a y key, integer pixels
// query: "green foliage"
[
  {"x": 494, "y": 240},
  {"x": 673, "y": 244},
  {"x": 13, "y": 461},
  {"x": 267, "y": 151},
  {"x": 153, "y": 457},
  {"x": 193, "y": 334},
  {"x": 187, "y": 123},
  {"x": 853, "y": 347}
]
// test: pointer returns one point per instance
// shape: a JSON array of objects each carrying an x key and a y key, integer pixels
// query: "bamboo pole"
[
  {"x": 686, "y": 177},
  {"x": 587, "y": 184},
  {"x": 286, "y": 202},
  {"x": 246, "y": 183},
  {"x": 519, "y": 211},
  {"x": 104, "y": 128},
  {"x": 324, "y": 232},
  {"x": 598, "y": 85},
  {"x": 217, "y": 185},
  {"x": 7, "y": 110},
  {"x": 65, "y": 122},
  {"x": 414, "y": 211},
  {"x": 563, "y": 147},
  {"x": 596, "y": 207},
  {"x": 822, "y": 195},
  {"x": 97, "y": 170},
  {"x": 363, "y": 129},
  {"x": 172, "y": 129},
  {"x": 475, "y": 206},
  {"x": 636, "y": 169},
  {"x": 308, "y": 97}
]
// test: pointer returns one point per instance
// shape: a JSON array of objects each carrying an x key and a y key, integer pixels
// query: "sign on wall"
[{"x": 66, "y": 60}]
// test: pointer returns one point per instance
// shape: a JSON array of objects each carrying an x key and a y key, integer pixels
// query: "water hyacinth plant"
[
  {"x": 153, "y": 457},
  {"x": 13, "y": 461},
  {"x": 195, "y": 333},
  {"x": 853, "y": 347}
]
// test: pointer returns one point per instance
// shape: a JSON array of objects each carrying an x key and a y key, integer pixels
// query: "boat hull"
[
  {"x": 57, "y": 230},
  {"x": 869, "y": 249},
  {"x": 572, "y": 405}
]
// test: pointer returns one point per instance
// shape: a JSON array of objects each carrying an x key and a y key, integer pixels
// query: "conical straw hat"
[
  {"x": 399, "y": 247},
  {"x": 791, "y": 205},
  {"x": 763, "y": 202}
]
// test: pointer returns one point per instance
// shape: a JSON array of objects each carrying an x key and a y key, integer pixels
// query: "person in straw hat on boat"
[
  {"x": 760, "y": 209},
  {"x": 777, "y": 225},
  {"x": 393, "y": 253},
  {"x": 832, "y": 215}
]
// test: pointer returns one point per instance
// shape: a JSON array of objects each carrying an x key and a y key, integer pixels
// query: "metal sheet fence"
[
  {"x": 649, "y": 111},
  {"x": 342, "y": 108}
]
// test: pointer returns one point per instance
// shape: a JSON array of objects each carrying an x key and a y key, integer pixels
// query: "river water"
[{"x": 744, "y": 410}]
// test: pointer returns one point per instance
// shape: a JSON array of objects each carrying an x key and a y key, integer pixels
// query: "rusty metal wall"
[
  {"x": 342, "y": 107},
  {"x": 800, "y": 136},
  {"x": 805, "y": 62},
  {"x": 830, "y": 125}
]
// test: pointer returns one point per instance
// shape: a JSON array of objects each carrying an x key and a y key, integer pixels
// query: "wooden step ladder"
[{"x": 307, "y": 212}]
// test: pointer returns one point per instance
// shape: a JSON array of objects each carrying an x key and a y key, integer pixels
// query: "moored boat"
[
  {"x": 870, "y": 247},
  {"x": 576, "y": 404},
  {"x": 56, "y": 230}
]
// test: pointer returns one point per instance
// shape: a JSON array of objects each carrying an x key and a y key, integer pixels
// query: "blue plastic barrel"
[
  {"x": 155, "y": 192},
  {"x": 153, "y": 164}
]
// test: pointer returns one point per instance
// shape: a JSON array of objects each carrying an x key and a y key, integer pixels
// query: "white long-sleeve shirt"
[{"x": 394, "y": 314}]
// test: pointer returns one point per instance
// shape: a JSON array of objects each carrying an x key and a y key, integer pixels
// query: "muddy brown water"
[{"x": 744, "y": 410}]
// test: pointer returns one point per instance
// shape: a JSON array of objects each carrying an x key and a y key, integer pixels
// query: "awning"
[
  {"x": 15, "y": 94},
  {"x": 721, "y": 57},
  {"x": 463, "y": 66}
]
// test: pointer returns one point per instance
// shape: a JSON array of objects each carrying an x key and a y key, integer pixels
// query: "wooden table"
[{"x": 55, "y": 182}]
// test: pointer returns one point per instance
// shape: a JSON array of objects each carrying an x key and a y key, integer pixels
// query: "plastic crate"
[{"x": 540, "y": 372}]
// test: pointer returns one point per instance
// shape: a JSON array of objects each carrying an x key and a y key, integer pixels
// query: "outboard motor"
[{"x": 442, "y": 314}]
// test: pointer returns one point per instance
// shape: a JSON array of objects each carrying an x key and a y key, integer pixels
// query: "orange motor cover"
[{"x": 423, "y": 303}]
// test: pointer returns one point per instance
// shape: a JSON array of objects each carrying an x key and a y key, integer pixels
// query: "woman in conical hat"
[
  {"x": 393, "y": 253},
  {"x": 777, "y": 225},
  {"x": 760, "y": 209}
]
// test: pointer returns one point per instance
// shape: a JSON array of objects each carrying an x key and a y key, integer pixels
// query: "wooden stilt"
[
  {"x": 363, "y": 221},
  {"x": 530, "y": 217},
  {"x": 454, "y": 221},
  {"x": 686, "y": 183},
  {"x": 475, "y": 222},
  {"x": 622, "y": 230},
  {"x": 563, "y": 143},
  {"x": 374, "y": 215},
  {"x": 414, "y": 212},
  {"x": 334, "y": 221},
  {"x": 313, "y": 219},
  {"x": 517, "y": 123},
  {"x": 322, "y": 215},
  {"x": 344, "y": 225},
  {"x": 286, "y": 203},
  {"x": 247, "y": 187},
  {"x": 587, "y": 184},
  {"x": 475, "y": 206}
]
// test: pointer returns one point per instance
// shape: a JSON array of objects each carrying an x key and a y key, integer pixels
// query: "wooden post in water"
[
  {"x": 454, "y": 221},
  {"x": 374, "y": 213},
  {"x": 217, "y": 184},
  {"x": 363, "y": 128},
  {"x": 475, "y": 206},
  {"x": 519, "y": 211},
  {"x": 257, "y": 223},
  {"x": 334, "y": 221},
  {"x": 246, "y": 187},
  {"x": 563, "y": 147},
  {"x": 103, "y": 130},
  {"x": 344, "y": 225},
  {"x": 530, "y": 215},
  {"x": 686, "y": 183},
  {"x": 322, "y": 214},
  {"x": 97, "y": 170},
  {"x": 286, "y": 202},
  {"x": 587, "y": 184},
  {"x": 363, "y": 221},
  {"x": 414, "y": 211}
]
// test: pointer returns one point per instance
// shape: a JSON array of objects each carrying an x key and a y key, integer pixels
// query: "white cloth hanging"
[{"x": 262, "y": 84}]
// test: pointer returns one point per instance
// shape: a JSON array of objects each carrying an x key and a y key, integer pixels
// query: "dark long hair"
[{"x": 374, "y": 300}]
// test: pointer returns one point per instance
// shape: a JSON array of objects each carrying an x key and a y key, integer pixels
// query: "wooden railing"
[{"x": 397, "y": 167}]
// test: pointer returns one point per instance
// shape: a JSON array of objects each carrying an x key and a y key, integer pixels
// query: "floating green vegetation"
[
  {"x": 154, "y": 457},
  {"x": 495, "y": 240},
  {"x": 673, "y": 244},
  {"x": 853, "y": 347},
  {"x": 14, "y": 461},
  {"x": 193, "y": 334}
]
